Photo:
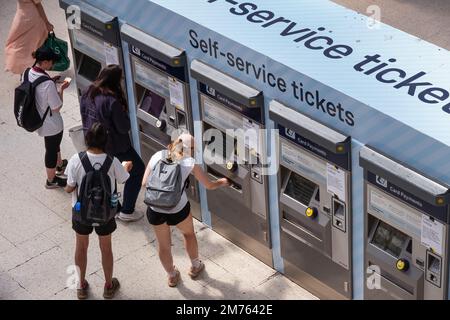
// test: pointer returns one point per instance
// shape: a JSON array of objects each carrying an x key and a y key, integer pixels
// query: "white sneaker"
[{"x": 135, "y": 216}]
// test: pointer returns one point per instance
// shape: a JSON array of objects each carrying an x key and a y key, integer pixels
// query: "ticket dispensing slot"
[
  {"x": 314, "y": 194},
  {"x": 406, "y": 228},
  {"x": 339, "y": 216},
  {"x": 161, "y": 88},
  {"x": 238, "y": 212},
  {"x": 95, "y": 45}
]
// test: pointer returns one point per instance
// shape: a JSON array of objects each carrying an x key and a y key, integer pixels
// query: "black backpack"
[
  {"x": 94, "y": 194},
  {"x": 25, "y": 109}
]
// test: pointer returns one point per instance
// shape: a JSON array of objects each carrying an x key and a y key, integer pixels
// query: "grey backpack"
[{"x": 165, "y": 184}]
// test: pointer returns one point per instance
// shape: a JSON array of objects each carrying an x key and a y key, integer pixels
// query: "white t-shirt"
[
  {"x": 187, "y": 165},
  {"x": 47, "y": 96},
  {"x": 75, "y": 172}
]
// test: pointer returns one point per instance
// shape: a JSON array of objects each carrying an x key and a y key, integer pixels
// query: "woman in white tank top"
[{"x": 180, "y": 216}]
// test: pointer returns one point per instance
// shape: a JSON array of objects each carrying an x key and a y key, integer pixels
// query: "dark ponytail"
[{"x": 108, "y": 82}]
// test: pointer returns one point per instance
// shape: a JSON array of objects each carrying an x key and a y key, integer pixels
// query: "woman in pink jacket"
[{"x": 29, "y": 31}]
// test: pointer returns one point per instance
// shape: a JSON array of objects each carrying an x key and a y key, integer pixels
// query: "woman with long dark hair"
[{"x": 104, "y": 101}]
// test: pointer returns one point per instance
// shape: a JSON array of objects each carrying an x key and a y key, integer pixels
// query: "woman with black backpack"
[
  {"x": 49, "y": 101},
  {"x": 179, "y": 215},
  {"x": 96, "y": 138},
  {"x": 104, "y": 101}
]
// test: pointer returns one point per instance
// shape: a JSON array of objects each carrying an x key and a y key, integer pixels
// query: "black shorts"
[
  {"x": 172, "y": 219},
  {"x": 104, "y": 230}
]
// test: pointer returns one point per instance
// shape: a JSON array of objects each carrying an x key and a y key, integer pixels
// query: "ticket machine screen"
[
  {"x": 152, "y": 103},
  {"x": 389, "y": 239},
  {"x": 89, "y": 68},
  {"x": 300, "y": 189}
]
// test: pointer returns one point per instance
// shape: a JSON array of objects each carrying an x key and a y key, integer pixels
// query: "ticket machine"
[
  {"x": 234, "y": 147},
  {"x": 95, "y": 44},
  {"x": 315, "y": 203},
  {"x": 406, "y": 231},
  {"x": 161, "y": 89}
]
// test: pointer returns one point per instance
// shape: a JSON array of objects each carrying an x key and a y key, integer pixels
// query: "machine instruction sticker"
[
  {"x": 111, "y": 54},
  {"x": 432, "y": 234},
  {"x": 176, "y": 93},
  {"x": 336, "y": 181},
  {"x": 391, "y": 212},
  {"x": 303, "y": 162}
]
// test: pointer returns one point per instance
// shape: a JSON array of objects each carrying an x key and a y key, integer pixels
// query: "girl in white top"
[
  {"x": 180, "y": 216},
  {"x": 48, "y": 96}
]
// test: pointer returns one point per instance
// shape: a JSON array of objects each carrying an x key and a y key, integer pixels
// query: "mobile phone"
[{"x": 68, "y": 79}]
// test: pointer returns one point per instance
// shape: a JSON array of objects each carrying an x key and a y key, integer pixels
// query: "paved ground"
[{"x": 37, "y": 242}]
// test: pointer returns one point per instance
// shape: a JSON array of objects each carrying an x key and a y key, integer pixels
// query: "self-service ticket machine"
[
  {"x": 238, "y": 212},
  {"x": 406, "y": 231},
  {"x": 161, "y": 88},
  {"x": 95, "y": 44},
  {"x": 315, "y": 203}
]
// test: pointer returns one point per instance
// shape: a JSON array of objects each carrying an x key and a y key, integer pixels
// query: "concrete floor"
[
  {"x": 37, "y": 242},
  {"x": 425, "y": 19}
]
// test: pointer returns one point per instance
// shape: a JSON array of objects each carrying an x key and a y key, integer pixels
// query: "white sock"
[
  {"x": 196, "y": 263},
  {"x": 173, "y": 273}
]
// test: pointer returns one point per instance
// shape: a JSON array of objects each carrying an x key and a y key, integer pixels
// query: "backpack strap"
[
  {"x": 40, "y": 80},
  {"x": 26, "y": 75},
  {"x": 107, "y": 164},
  {"x": 34, "y": 85},
  {"x": 46, "y": 113},
  {"x": 87, "y": 166}
]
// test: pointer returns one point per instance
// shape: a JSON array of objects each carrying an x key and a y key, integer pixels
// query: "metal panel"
[
  {"x": 309, "y": 128},
  {"x": 226, "y": 84},
  {"x": 96, "y": 21},
  {"x": 160, "y": 50},
  {"x": 404, "y": 177}
]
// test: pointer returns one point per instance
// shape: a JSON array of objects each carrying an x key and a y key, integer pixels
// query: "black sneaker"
[
  {"x": 56, "y": 183},
  {"x": 60, "y": 169},
  {"x": 51, "y": 184}
]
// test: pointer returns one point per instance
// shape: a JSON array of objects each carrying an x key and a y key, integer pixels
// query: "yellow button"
[
  {"x": 402, "y": 265},
  {"x": 309, "y": 212},
  {"x": 230, "y": 165}
]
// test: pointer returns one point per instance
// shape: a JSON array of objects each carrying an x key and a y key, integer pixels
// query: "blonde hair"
[
  {"x": 176, "y": 150},
  {"x": 181, "y": 147}
]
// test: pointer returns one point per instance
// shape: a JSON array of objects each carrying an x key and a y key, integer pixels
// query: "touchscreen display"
[
  {"x": 300, "y": 189},
  {"x": 90, "y": 68},
  {"x": 389, "y": 239},
  {"x": 152, "y": 103}
]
